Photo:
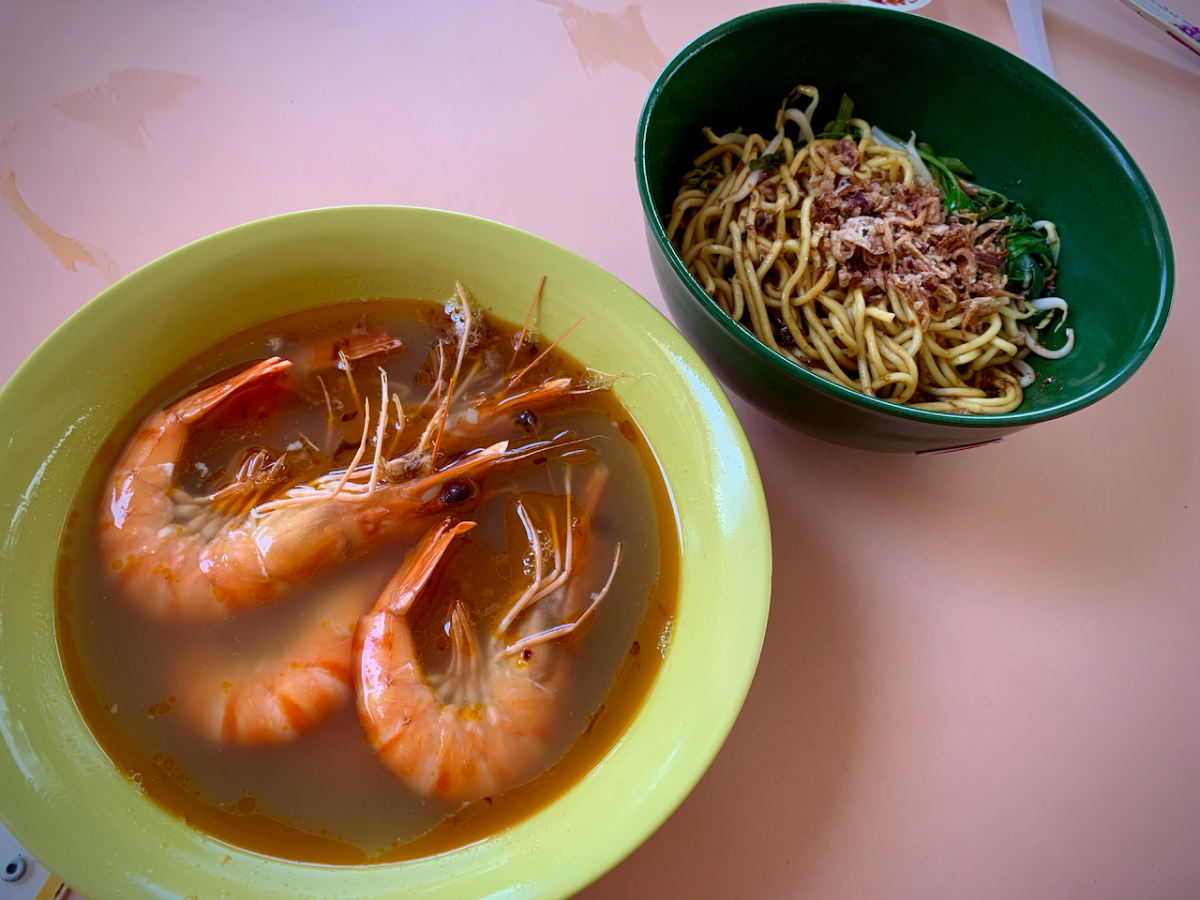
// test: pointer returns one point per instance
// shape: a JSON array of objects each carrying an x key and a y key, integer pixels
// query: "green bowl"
[
  {"x": 1019, "y": 131},
  {"x": 70, "y": 806}
]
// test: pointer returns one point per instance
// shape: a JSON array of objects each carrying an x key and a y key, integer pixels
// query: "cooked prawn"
[
  {"x": 277, "y": 698},
  {"x": 484, "y": 724},
  {"x": 173, "y": 563},
  {"x": 315, "y": 378},
  {"x": 473, "y": 394}
]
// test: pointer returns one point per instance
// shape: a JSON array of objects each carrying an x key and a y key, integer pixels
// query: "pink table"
[{"x": 1001, "y": 702}]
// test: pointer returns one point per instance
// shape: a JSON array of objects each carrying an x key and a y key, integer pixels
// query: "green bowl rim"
[
  {"x": 694, "y": 767},
  {"x": 1002, "y": 420}
]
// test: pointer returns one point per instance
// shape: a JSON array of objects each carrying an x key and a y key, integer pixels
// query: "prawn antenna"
[
  {"x": 350, "y": 378},
  {"x": 329, "y": 418},
  {"x": 380, "y": 431},
  {"x": 513, "y": 381},
  {"x": 520, "y": 342},
  {"x": 358, "y": 455},
  {"x": 401, "y": 422},
  {"x": 468, "y": 323}
]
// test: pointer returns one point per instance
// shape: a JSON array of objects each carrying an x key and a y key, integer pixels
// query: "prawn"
[
  {"x": 312, "y": 377},
  {"x": 478, "y": 397},
  {"x": 174, "y": 563},
  {"x": 483, "y": 725},
  {"x": 276, "y": 699}
]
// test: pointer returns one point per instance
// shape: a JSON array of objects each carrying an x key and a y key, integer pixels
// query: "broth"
[{"x": 326, "y": 796}]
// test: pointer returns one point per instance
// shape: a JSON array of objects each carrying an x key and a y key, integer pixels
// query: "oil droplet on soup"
[{"x": 575, "y": 499}]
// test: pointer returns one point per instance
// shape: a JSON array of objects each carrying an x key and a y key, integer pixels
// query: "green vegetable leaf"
[
  {"x": 956, "y": 199},
  {"x": 770, "y": 162},
  {"x": 1025, "y": 276},
  {"x": 840, "y": 127},
  {"x": 1018, "y": 219},
  {"x": 957, "y": 166},
  {"x": 835, "y": 135},
  {"x": 1023, "y": 243},
  {"x": 990, "y": 204},
  {"x": 837, "y": 128}
]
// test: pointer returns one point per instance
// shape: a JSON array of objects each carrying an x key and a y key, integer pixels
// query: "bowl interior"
[
  {"x": 72, "y": 808},
  {"x": 1018, "y": 131}
]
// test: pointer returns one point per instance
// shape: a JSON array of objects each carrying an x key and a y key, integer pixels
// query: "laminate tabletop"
[{"x": 980, "y": 678}]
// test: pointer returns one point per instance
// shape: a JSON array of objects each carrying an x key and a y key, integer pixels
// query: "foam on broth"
[{"x": 325, "y": 797}]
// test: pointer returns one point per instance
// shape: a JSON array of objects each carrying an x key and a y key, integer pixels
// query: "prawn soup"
[{"x": 158, "y": 686}]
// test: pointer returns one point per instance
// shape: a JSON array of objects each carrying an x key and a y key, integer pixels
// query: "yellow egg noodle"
[{"x": 871, "y": 263}]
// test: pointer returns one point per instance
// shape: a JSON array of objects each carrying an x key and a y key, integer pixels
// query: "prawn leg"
[{"x": 560, "y": 632}]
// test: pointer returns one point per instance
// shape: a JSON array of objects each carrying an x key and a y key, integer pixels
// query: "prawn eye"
[
  {"x": 456, "y": 492},
  {"x": 527, "y": 419}
]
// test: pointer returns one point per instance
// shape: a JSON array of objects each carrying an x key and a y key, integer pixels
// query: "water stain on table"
[
  {"x": 603, "y": 39},
  {"x": 119, "y": 104},
  {"x": 69, "y": 251}
]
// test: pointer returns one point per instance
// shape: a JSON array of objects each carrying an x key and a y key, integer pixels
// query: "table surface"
[{"x": 1004, "y": 704}]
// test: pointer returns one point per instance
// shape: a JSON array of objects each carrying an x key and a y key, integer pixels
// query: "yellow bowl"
[{"x": 72, "y": 808}]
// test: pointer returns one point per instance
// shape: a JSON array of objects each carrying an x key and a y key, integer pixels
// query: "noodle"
[{"x": 871, "y": 263}]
